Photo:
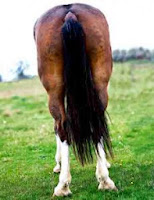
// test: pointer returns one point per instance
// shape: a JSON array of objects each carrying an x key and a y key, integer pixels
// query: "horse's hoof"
[
  {"x": 62, "y": 189},
  {"x": 107, "y": 185},
  {"x": 56, "y": 169},
  {"x": 62, "y": 192}
]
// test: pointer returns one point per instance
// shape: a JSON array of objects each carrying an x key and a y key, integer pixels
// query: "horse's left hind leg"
[
  {"x": 58, "y": 155},
  {"x": 55, "y": 88},
  {"x": 62, "y": 189},
  {"x": 102, "y": 173},
  {"x": 56, "y": 107}
]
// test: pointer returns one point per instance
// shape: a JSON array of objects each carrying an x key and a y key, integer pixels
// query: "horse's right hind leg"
[{"x": 102, "y": 173}]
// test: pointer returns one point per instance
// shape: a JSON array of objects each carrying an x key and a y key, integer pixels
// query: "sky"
[{"x": 130, "y": 23}]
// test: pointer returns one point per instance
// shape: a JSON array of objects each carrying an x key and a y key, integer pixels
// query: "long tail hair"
[{"x": 86, "y": 123}]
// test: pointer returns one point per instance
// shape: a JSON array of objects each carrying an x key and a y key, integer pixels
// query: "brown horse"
[{"x": 74, "y": 65}]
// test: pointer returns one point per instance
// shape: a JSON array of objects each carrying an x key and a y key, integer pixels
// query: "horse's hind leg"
[
  {"x": 102, "y": 173},
  {"x": 58, "y": 155},
  {"x": 101, "y": 66},
  {"x": 56, "y": 106},
  {"x": 51, "y": 72},
  {"x": 62, "y": 189},
  {"x": 52, "y": 79}
]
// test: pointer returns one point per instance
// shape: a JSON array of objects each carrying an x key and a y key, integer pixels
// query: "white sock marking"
[{"x": 62, "y": 188}]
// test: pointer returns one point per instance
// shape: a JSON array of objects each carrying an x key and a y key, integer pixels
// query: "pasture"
[{"x": 27, "y": 142}]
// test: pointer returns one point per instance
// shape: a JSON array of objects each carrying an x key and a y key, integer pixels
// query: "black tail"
[{"x": 86, "y": 122}]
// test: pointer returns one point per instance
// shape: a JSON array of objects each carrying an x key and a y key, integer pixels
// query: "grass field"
[{"x": 27, "y": 143}]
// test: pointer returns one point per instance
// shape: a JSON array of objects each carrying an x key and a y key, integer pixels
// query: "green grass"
[{"x": 27, "y": 143}]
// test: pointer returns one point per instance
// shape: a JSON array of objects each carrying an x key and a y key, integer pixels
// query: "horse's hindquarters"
[{"x": 94, "y": 59}]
